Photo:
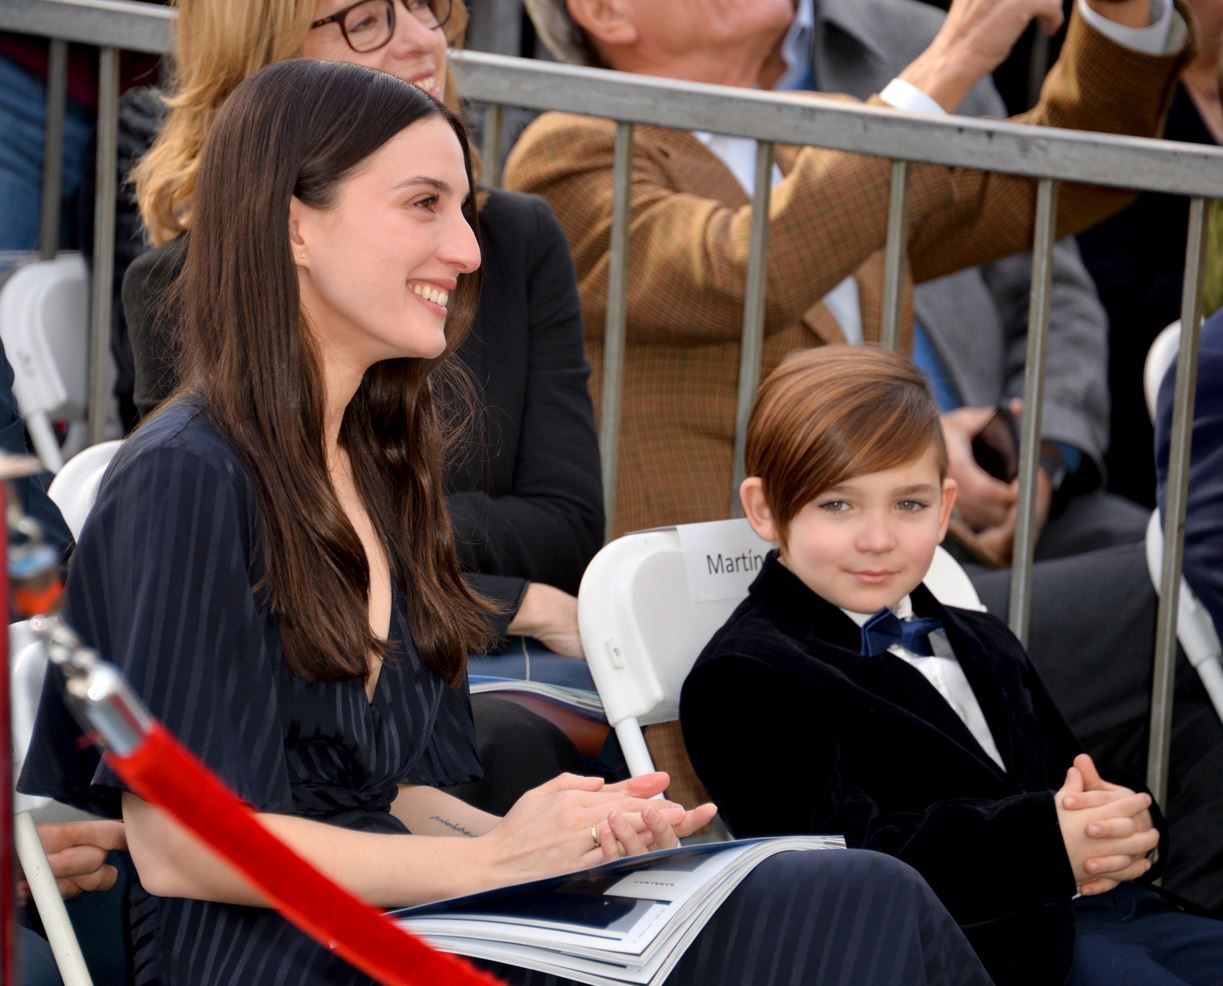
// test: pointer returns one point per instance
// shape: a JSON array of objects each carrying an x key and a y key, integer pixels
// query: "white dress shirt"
[{"x": 943, "y": 671}]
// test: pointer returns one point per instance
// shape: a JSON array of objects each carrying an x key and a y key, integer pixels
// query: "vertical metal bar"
[
  {"x": 103, "y": 242},
  {"x": 1033, "y": 402},
  {"x": 53, "y": 149},
  {"x": 894, "y": 254},
  {"x": 1176, "y": 497},
  {"x": 617, "y": 319},
  {"x": 752, "y": 345},
  {"x": 491, "y": 149}
]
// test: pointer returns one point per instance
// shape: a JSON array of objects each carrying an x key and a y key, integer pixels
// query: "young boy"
[{"x": 841, "y": 696}]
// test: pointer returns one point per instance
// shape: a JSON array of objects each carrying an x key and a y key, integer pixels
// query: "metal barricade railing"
[{"x": 1047, "y": 155}]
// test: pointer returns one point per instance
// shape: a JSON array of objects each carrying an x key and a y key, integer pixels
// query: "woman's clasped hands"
[{"x": 575, "y": 822}]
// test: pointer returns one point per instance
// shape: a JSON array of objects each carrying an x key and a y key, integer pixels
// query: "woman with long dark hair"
[
  {"x": 271, "y": 565},
  {"x": 523, "y": 492}
]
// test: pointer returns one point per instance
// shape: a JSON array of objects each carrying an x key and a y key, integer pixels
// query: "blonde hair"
[{"x": 218, "y": 43}]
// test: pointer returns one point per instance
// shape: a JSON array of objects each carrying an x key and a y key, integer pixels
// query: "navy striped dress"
[{"x": 163, "y": 584}]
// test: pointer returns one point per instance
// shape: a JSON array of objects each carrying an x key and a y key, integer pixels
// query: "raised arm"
[
  {"x": 1097, "y": 84},
  {"x": 689, "y": 251}
]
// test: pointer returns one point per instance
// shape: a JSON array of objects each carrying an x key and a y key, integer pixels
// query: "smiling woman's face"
[
  {"x": 377, "y": 266},
  {"x": 415, "y": 53}
]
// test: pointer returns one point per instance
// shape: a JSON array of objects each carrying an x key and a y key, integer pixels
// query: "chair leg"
[
  {"x": 46, "y": 445},
  {"x": 632, "y": 745},
  {"x": 50, "y": 904}
]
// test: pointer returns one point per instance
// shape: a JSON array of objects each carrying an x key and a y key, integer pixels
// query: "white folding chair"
[
  {"x": 1194, "y": 628},
  {"x": 75, "y": 487},
  {"x": 1160, "y": 358},
  {"x": 642, "y": 629},
  {"x": 28, "y": 663},
  {"x": 44, "y": 324}
]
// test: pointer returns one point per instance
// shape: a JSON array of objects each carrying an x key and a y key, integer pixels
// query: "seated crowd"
[{"x": 367, "y": 382}]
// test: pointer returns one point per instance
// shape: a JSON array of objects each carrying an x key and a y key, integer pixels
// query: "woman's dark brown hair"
[
  {"x": 826, "y": 415},
  {"x": 300, "y": 128}
]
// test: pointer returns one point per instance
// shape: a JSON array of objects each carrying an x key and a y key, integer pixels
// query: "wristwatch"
[{"x": 1054, "y": 465}]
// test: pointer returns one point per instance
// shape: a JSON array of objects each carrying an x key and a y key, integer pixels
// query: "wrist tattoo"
[{"x": 453, "y": 826}]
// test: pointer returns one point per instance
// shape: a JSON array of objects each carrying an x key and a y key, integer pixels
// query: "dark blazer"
[
  {"x": 793, "y": 731},
  {"x": 524, "y": 494}
]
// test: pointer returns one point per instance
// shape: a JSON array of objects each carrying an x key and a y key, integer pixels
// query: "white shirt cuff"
[
  {"x": 1165, "y": 35},
  {"x": 906, "y": 96}
]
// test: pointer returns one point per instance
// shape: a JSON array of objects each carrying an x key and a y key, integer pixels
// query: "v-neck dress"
[{"x": 164, "y": 583}]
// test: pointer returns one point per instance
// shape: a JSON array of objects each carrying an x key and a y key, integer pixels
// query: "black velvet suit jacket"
[
  {"x": 524, "y": 494},
  {"x": 793, "y": 731}
]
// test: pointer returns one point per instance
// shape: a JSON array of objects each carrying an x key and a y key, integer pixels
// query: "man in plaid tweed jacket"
[{"x": 690, "y": 216}]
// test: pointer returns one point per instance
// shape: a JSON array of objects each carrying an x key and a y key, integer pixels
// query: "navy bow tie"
[{"x": 885, "y": 629}]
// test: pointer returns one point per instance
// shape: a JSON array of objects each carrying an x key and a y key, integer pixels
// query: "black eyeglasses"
[{"x": 369, "y": 24}]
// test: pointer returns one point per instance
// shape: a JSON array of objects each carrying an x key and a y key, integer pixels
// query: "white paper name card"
[{"x": 721, "y": 558}]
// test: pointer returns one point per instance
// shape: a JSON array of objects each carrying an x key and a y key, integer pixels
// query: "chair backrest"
[
  {"x": 75, "y": 487},
  {"x": 650, "y": 601},
  {"x": 44, "y": 322},
  {"x": 1160, "y": 358},
  {"x": 1194, "y": 627}
]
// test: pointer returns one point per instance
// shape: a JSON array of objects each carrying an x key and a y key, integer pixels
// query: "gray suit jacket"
[{"x": 977, "y": 319}]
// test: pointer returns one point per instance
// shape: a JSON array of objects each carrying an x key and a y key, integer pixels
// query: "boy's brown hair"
[{"x": 826, "y": 415}]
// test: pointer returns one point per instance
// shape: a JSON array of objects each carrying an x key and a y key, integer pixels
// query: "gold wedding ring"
[{"x": 594, "y": 833}]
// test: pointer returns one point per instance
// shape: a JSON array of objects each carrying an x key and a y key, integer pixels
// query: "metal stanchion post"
[
  {"x": 752, "y": 345},
  {"x": 1033, "y": 403},
  {"x": 616, "y": 326},
  {"x": 1175, "y": 501},
  {"x": 894, "y": 253}
]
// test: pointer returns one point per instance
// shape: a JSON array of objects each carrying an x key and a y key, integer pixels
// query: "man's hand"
[
  {"x": 982, "y": 500},
  {"x": 1000, "y": 540},
  {"x": 76, "y": 852},
  {"x": 974, "y": 40}
]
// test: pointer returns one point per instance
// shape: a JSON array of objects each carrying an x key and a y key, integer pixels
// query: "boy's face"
[{"x": 867, "y": 542}]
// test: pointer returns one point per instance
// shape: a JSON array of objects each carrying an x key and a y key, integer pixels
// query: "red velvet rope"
[{"x": 164, "y": 774}]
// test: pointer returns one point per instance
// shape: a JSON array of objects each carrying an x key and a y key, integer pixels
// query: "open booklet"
[
  {"x": 628, "y": 921},
  {"x": 579, "y": 700}
]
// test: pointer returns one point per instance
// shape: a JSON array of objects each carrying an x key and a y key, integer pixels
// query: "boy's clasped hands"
[{"x": 1107, "y": 828}]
